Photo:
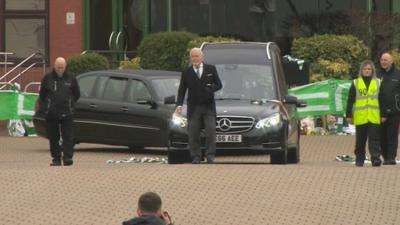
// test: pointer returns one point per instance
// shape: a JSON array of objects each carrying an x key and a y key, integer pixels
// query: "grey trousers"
[{"x": 202, "y": 115}]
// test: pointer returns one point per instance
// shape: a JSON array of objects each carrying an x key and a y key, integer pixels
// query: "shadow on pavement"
[{"x": 149, "y": 151}]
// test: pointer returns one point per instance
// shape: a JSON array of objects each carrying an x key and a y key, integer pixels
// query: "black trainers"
[
  {"x": 68, "y": 162},
  {"x": 389, "y": 162},
  {"x": 359, "y": 164}
]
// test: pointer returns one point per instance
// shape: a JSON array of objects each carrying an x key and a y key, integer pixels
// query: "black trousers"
[
  {"x": 389, "y": 137},
  {"x": 371, "y": 132},
  {"x": 63, "y": 128},
  {"x": 202, "y": 115}
]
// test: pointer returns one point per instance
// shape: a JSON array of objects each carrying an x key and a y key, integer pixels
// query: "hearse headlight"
[
  {"x": 270, "y": 121},
  {"x": 179, "y": 120}
]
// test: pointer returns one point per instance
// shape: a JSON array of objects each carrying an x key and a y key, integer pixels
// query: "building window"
[
  {"x": 24, "y": 28},
  {"x": 25, "y": 36},
  {"x": 25, "y": 4}
]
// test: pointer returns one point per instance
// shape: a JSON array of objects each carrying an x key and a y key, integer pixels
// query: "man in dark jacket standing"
[
  {"x": 389, "y": 99},
  {"x": 201, "y": 81},
  {"x": 59, "y": 92},
  {"x": 149, "y": 211}
]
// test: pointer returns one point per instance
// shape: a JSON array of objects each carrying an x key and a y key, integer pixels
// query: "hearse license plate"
[{"x": 233, "y": 138}]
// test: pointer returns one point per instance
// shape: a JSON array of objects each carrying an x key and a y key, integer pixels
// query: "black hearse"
[{"x": 254, "y": 110}]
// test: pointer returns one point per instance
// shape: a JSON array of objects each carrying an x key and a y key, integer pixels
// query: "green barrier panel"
[
  {"x": 26, "y": 105},
  {"x": 8, "y": 105},
  {"x": 323, "y": 98},
  {"x": 16, "y": 105}
]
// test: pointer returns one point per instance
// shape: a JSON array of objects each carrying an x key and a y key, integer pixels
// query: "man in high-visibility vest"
[{"x": 363, "y": 111}]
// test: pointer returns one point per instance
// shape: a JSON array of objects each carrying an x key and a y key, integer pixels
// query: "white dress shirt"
[{"x": 200, "y": 69}]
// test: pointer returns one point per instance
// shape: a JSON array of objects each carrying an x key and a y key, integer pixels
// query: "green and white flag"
[{"x": 323, "y": 98}]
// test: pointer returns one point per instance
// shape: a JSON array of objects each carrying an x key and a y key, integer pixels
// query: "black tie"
[{"x": 198, "y": 71}]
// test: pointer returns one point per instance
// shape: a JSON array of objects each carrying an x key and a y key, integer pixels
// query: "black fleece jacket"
[
  {"x": 58, "y": 95},
  {"x": 389, "y": 94}
]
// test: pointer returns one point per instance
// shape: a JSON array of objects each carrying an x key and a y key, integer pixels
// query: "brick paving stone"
[{"x": 318, "y": 190}]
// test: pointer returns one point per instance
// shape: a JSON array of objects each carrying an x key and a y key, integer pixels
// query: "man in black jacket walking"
[
  {"x": 201, "y": 81},
  {"x": 59, "y": 92},
  {"x": 389, "y": 98}
]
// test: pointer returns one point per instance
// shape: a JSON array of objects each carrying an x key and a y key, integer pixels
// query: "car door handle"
[
  {"x": 92, "y": 106},
  {"x": 125, "y": 109}
]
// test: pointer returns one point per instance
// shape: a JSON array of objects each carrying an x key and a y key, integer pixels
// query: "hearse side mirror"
[
  {"x": 301, "y": 103},
  {"x": 170, "y": 100},
  {"x": 289, "y": 99}
]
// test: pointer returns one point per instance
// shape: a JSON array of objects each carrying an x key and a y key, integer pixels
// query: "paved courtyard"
[{"x": 319, "y": 190}]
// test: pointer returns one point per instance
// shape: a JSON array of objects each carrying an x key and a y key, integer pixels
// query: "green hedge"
[
  {"x": 197, "y": 43},
  {"x": 133, "y": 64},
  {"x": 165, "y": 50},
  {"x": 87, "y": 62},
  {"x": 331, "y": 56},
  {"x": 323, "y": 69}
]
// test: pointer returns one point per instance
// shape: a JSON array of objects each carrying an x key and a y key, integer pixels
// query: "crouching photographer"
[{"x": 149, "y": 211}]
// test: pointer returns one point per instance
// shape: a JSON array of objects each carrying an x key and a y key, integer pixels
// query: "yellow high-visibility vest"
[{"x": 366, "y": 106}]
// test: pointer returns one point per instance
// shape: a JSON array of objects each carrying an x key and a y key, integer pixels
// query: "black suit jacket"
[{"x": 200, "y": 91}]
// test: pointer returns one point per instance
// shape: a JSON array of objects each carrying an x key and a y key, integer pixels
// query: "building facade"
[
  {"x": 50, "y": 29},
  {"x": 66, "y": 28},
  {"x": 121, "y": 24}
]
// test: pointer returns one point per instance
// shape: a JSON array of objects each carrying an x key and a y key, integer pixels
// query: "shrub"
[
  {"x": 326, "y": 49},
  {"x": 87, "y": 62},
  {"x": 197, "y": 43},
  {"x": 396, "y": 57},
  {"x": 378, "y": 29},
  {"x": 134, "y": 64},
  {"x": 164, "y": 51},
  {"x": 332, "y": 69}
]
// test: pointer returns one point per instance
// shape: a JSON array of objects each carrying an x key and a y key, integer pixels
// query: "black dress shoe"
[
  {"x": 68, "y": 162},
  {"x": 210, "y": 160},
  {"x": 389, "y": 162},
  {"x": 196, "y": 160},
  {"x": 55, "y": 163}
]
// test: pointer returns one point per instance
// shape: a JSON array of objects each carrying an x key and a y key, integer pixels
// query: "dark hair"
[
  {"x": 385, "y": 51},
  {"x": 149, "y": 202}
]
